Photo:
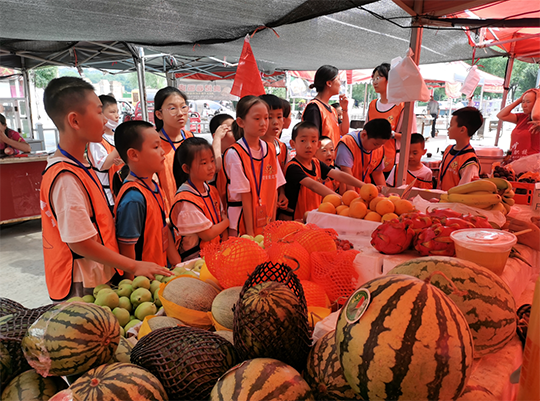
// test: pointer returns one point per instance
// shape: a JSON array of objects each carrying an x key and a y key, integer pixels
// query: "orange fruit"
[
  {"x": 343, "y": 211},
  {"x": 327, "y": 207},
  {"x": 385, "y": 206},
  {"x": 357, "y": 210},
  {"x": 389, "y": 216},
  {"x": 394, "y": 198},
  {"x": 355, "y": 200},
  {"x": 373, "y": 216},
  {"x": 340, "y": 208},
  {"x": 403, "y": 206},
  {"x": 334, "y": 199},
  {"x": 349, "y": 196},
  {"x": 368, "y": 192},
  {"x": 374, "y": 201}
]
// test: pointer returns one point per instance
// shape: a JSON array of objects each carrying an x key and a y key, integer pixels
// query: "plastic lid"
[{"x": 484, "y": 239}]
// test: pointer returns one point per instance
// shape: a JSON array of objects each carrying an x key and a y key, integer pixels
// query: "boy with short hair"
[
  {"x": 275, "y": 126},
  {"x": 141, "y": 225},
  {"x": 79, "y": 241},
  {"x": 304, "y": 174},
  {"x": 416, "y": 168},
  {"x": 339, "y": 111},
  {"x": 460, "y": 164},
  {"x": 361, "y": 153},
  {"x": 287, "y": 118},
  {"x": 103, "y": 155},
  {"x": 326, "y": 154}
]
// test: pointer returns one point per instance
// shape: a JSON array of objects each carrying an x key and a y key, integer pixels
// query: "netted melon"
[
  {"x": 190, "y": 293},
  {"x": 159, "y": 322},
  {"x": 222, "y": 306}
]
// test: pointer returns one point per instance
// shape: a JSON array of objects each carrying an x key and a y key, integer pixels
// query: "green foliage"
[
  {"x": 44, "y": 75},
  {"x": 128, "y": 80},
  {"x": 279, "y": 92},
  {"x": 358, "y": 92}
]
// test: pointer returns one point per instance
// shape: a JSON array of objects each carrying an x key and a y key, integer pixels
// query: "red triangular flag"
[{"x": 247, "y": 80}]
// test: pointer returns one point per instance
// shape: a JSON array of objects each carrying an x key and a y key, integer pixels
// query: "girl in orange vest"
[
  {"x": 252, "y": 172},
  {"x": 197, "y": 215},
  {"x": 171, "y": 114},
  {"x": 103, "y": 156},
  {"x": 319, "y": 112}
]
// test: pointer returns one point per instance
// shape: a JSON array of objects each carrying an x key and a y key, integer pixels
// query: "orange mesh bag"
[
  {"x": 315, "y": 294},
  {"x": 234, "y": 260},
  {"x": 316, "y": 239},
  {"x": 293, "y": 255},
  {"x": 334, "y": 271},
  {"x": 278, "y": 230}
]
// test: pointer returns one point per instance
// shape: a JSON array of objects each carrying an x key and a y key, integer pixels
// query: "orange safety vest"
[
  {"x": 393, "y": 115},
  {"x": 151, "y": 248},
  {"x": 58, "y": 257},
  {"x": 268, "y": 188},
  {"x": 204, "y": 203},
  {"x": 307, "y": 199},
  {"x": 331, "y": 184},
  {"x": 364, "y": 163},
  {"x": 453, "y": 162},
  {"x": 281, "y": 148},
  {"x": 167, "y": 182},
  {"x": 329, "y": 120},
  {"x": 420, "y": 183},
  {"x": 114, "y": 169}
]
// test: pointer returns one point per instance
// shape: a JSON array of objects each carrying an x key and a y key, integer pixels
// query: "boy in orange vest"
[
  {"x": 460, "y": 164},
  {"x": 326, "y": 153},
  {"x": 275, "y": 126},
  {"x": 361, "y": 153},
  {"x": 79, "y": 241},
  {"x": 141, "y": 218},
  {"x": 416, "y": 168},
  {"x": 103, "y": 155},
  {"x": 305, "y": 174}
]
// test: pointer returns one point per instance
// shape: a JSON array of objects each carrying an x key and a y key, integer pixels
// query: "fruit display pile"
[
  {"x": 368, "y": 204},
  {"x": 528, "y": 177},
  {"x": 506, "y": 172}
]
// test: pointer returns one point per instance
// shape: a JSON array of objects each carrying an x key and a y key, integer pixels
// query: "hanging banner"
[{"x": 206, "y": 90}]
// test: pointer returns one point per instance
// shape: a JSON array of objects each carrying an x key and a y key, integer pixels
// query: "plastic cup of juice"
[{"x": 486, "y": 247}]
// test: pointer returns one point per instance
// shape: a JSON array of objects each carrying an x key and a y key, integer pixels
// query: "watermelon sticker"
[{"x": 357, "y": 305}]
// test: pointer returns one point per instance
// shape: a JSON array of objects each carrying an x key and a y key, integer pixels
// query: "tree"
[{"x": 44, "y": 75}]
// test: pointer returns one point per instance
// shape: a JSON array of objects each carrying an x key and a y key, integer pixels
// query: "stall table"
[{"x": 20, "y": 180}]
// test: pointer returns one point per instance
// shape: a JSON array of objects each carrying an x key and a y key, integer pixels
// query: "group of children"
[{"x": 178, "y": 193}]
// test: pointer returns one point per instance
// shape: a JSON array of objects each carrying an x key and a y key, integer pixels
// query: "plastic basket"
[{"x": 523, "y": 192}]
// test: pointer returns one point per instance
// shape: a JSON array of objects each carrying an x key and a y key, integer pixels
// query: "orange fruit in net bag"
[
  {"x": 293, "y": 255},
  {"x": 315, "y": 240},
  {"x": 315, "y": 294},
  {"x": 281, "y": 230}
]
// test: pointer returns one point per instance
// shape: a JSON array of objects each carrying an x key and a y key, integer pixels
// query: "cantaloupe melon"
[
  {"x": 222, "y": 306},
  {"x": 158, "y": 322},
  {"x": 190, "y": 293}
]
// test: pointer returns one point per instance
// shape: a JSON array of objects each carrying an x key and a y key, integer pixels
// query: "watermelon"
[
  {"x": 118, "y": 381},
  {"x": 123, "y": 351},
  {"x": 31, "y": 386},
  {"x": 485, "y": 300},
  {"x": 71, "y": 338},
  {"x": 261, "y": 379},
  {"x": 5, "y": 365},
  {"x": 324, "y": 374},
  {"x": 270, "y": 322},
  {"x": 400, "y": 338}
]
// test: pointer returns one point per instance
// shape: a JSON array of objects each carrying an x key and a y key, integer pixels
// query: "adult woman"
[
  {"x": 525, "y": 140},
  {"x": 319, "y": 112},
  {"x": 381, "y": 108},
  {"x": 11, "y": 142}
]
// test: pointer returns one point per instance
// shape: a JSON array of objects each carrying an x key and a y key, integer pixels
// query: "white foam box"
[{"x": 535, "y": 203}]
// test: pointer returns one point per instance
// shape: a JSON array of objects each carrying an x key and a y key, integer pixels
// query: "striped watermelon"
[
  {"x": 118, "y": 381},
  {"x": 261, "y": 379},
  {"x": 270, "y": 322},
  {"x": 486, "y": 301},
  {"x": 31, "y": 386},
  {"x": 324, "y": 374},
  {"x": 123, "y": 352},
  {"x": 71, "y": 338},
  {"x": 410, "y": 343}
]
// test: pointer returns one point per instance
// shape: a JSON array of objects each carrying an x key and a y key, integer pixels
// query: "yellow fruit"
[
  {"x": 389, "y": 216},
  {"x": 357, "y": 210},
  {"x": 403, "y": 206},
  {"x": 368, "y": 192},
  {"x": 340, "y": 208},
  {"x": 385, "y": 206},
  {"x": 327, "y": 207},
  {"x": 334, "y": 199},
  {"x": 349, "y": 196},
  {"x": 394, "y": 198},
  {"x": 373, "y": 203},
  {"x": 358, "y": 200},
  {"x": 373, "y": 216},
  {"x": 343, "y": 211}
]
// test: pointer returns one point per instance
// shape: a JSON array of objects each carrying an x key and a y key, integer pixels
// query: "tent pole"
[
  {"x": 408, "y": 112},
  {"x": 28, "y": 96},
  {"x": 481, "y": 98},
  {"x": 506, "y": 86},
  {"x": 139, "y": 63}
]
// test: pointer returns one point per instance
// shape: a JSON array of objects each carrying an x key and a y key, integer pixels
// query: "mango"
[
  {"x": 99, "y": 288},
  {"x": 124, "y": 290},
  {"x": 141, "y": 282},
  {"x": 139, "y": 296},
  {"x": 145, "y": 309},
  {"x": 107, "y": 298},
  {"x": 159, "y": 277},
  {"x": 75, "y": 299},
  {"x": 107, "y": 308},
  {"x": 122, "y": 316},
  {"x": 132, "y": 323},
  {"x": 198, "y": 265},
  {"x": 157, "y": 301},
  {"x": 125, "y": 281},
  {"x": 125, "y": 303},
  {"x": 89, "y": 298},
  {"x": 167, "y": 279},
  {"x": 122, "y": 333},
  {"x": 154, "y": 286}
]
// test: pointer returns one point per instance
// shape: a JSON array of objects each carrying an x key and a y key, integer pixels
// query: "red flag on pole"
[{"x": 248, "y": 79}]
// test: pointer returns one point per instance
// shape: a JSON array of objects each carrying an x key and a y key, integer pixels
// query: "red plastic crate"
[{"x": 523, "y": 192}]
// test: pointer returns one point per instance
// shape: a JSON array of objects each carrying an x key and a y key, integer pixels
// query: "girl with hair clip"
[
  {"x": 252, "y": 173},
  {"x": 171, "y": 115},
  {"x": 197, "y": 215},
  {"x": 319, "y": 112}
]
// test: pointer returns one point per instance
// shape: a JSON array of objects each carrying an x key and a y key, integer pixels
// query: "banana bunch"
[{"x": 487, "y": 194}]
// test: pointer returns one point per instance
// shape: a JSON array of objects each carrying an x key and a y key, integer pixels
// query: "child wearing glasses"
[{"x": 171, "y": 114}]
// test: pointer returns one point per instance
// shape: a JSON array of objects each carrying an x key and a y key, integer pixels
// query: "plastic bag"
[
  {"x": 471, "y": 82},
  {"x": 528, "y": 163},
  {"x": 405, "y": 83}
]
